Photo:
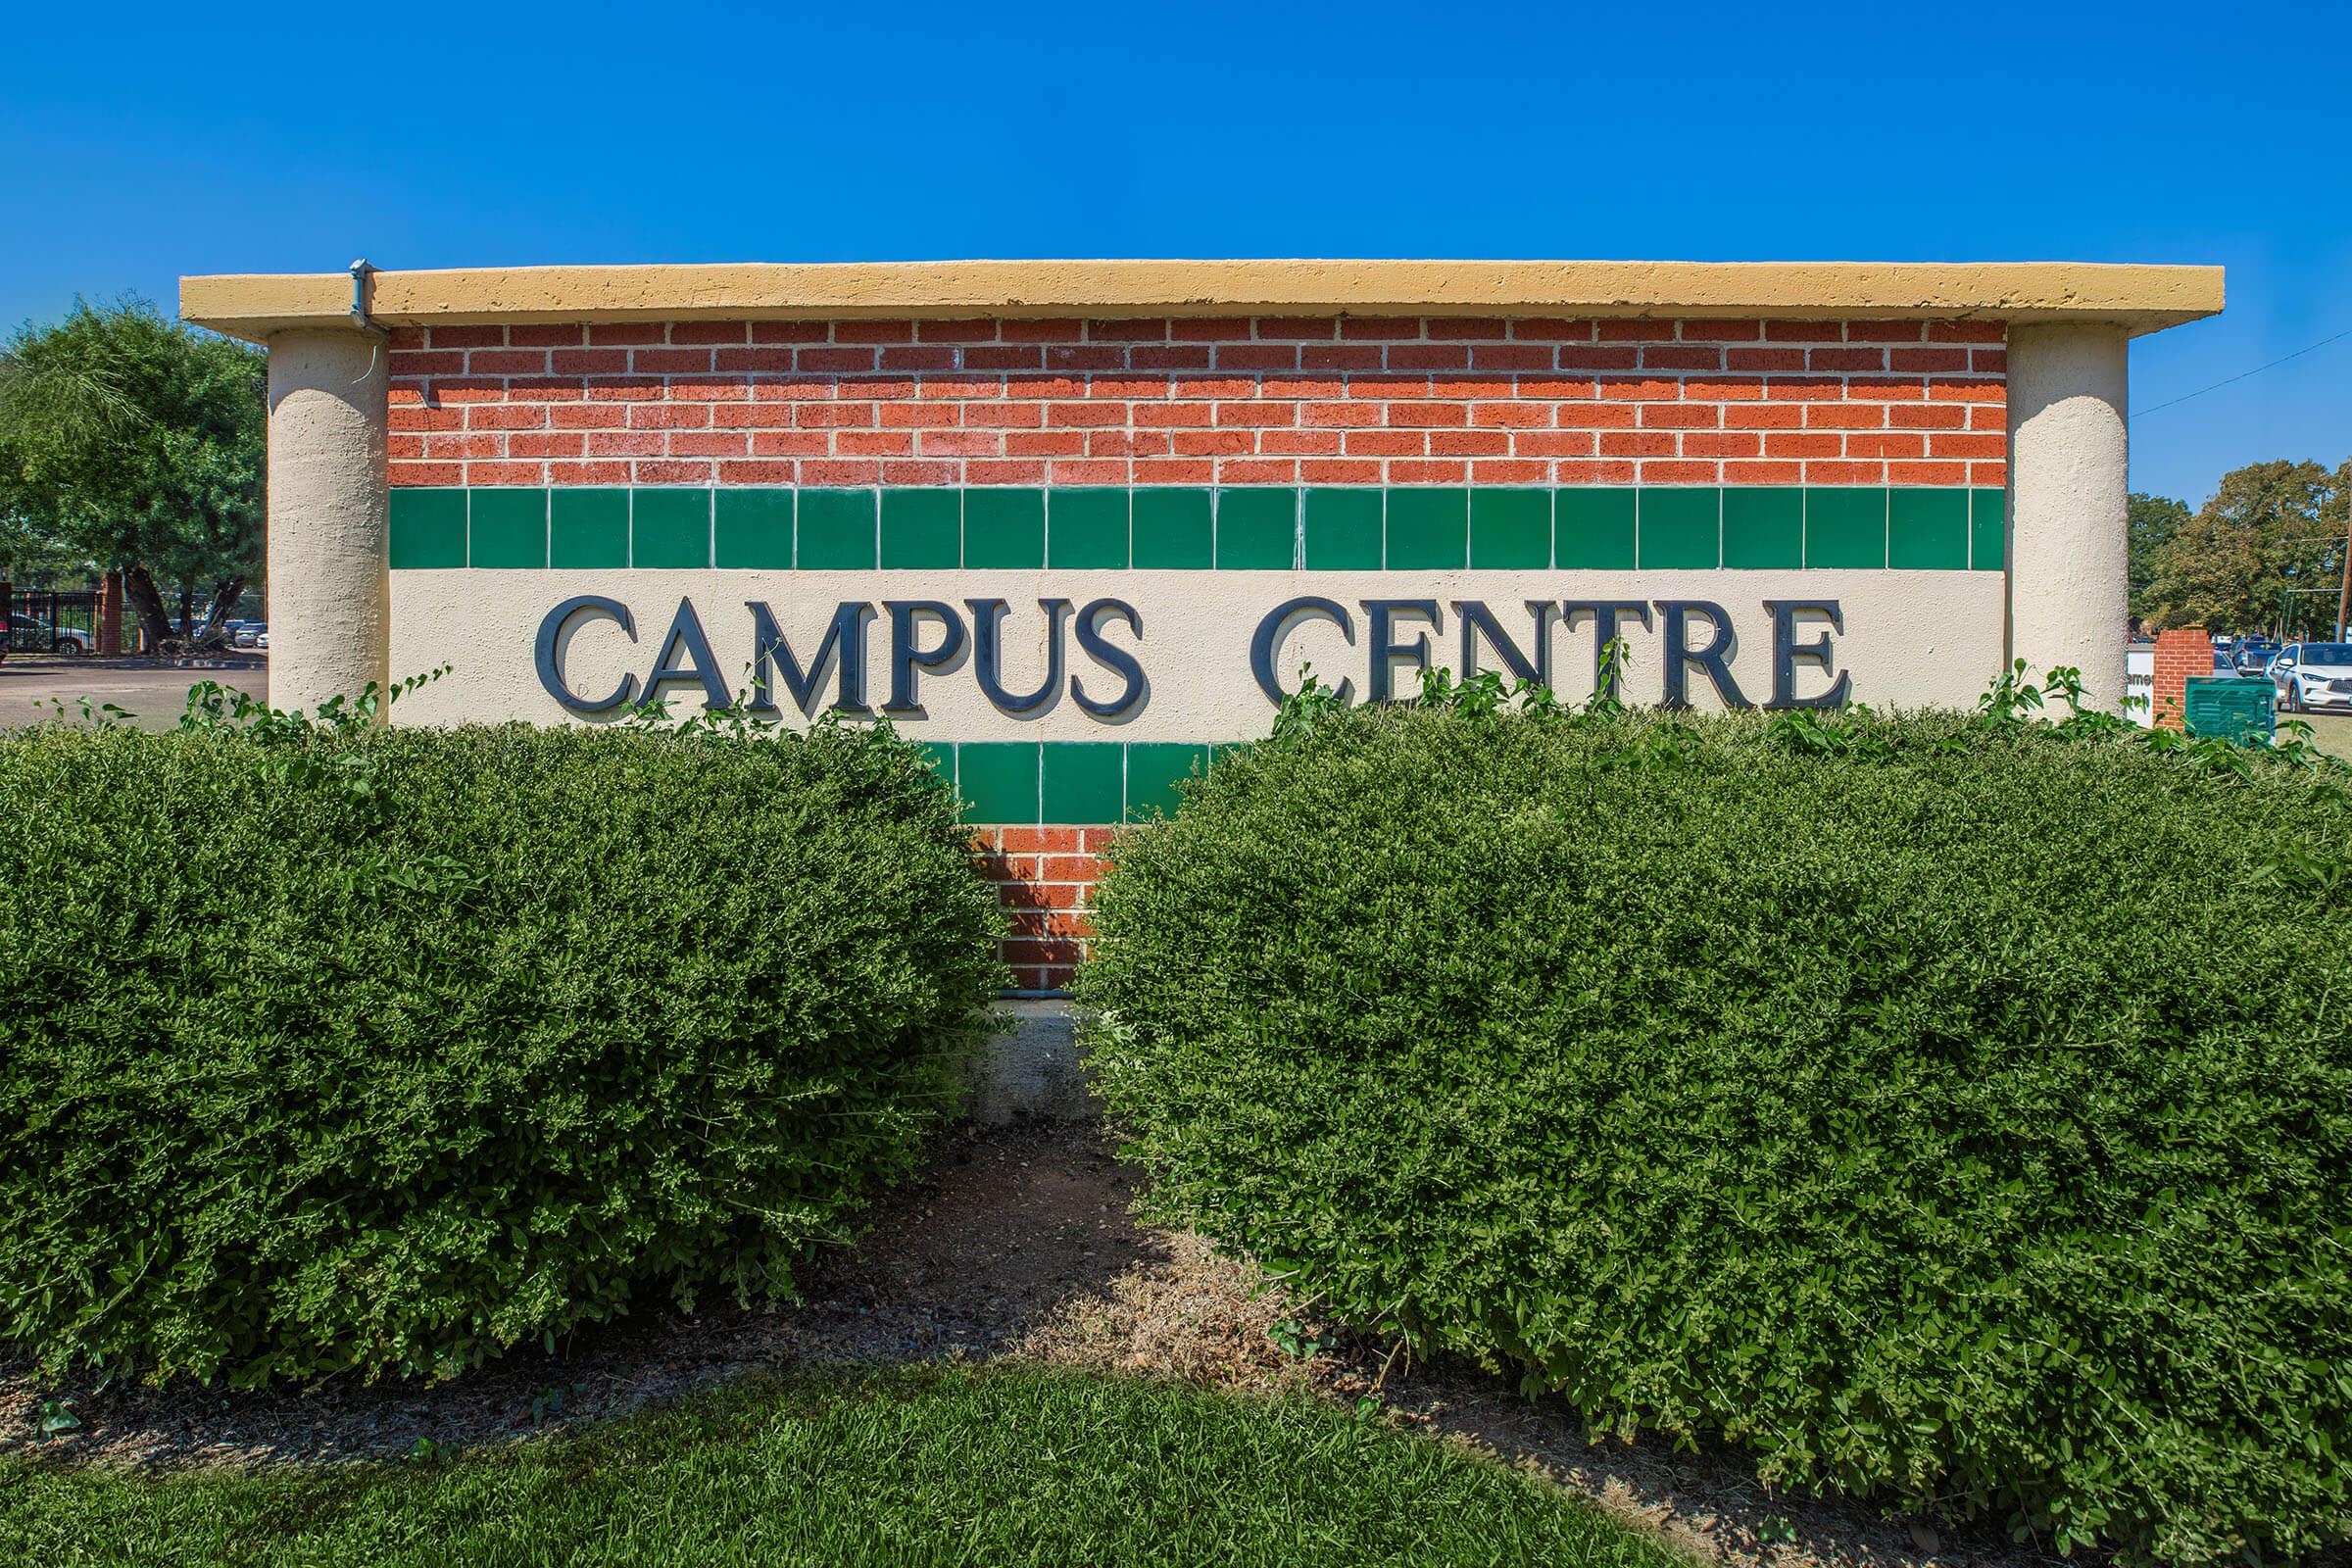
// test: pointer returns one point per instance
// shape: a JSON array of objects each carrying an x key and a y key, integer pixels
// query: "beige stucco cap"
[{"x": 2138, "y": 297}]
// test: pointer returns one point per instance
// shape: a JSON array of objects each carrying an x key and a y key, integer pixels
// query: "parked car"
[
  {"x": 2314, "y": 675},
  {"x": 251, "y": 634},
  {"x": 30, "y": 634},
  {"x": 2253, "y": 655}
]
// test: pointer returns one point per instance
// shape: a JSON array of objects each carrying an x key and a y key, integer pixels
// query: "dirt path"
[{"x": 1021, "y": 1246}]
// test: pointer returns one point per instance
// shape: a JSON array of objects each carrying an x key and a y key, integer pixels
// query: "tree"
[
  {"x": 2269, "y": 529},
  {"x": 139, "y": 444},
  {"x": 2152, "y": 521},
  {"x": 29, "y": 557}
]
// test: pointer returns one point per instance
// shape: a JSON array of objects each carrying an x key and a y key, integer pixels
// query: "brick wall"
[
  {"x": 1351, "y": 401},
  {"x": 2180, "y": 653},
  {"x": 1348, "y": 401},
  {"x": 1044, "y": 879}
]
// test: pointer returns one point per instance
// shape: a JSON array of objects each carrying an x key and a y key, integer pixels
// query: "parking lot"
[{"x": 155, "y": 696}]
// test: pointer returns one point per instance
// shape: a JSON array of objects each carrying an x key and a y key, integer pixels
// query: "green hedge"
[
  {"x": 1946, "y": 1109},
  {"x": 386, "y": 1051}
]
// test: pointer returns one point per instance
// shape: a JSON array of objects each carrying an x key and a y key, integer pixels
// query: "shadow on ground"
[{"x": 1020, "y": 1247}]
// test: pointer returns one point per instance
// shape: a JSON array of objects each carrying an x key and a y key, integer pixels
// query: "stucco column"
[
  {"x": 329, "y": 571},
  {"x": 2068, "y": 595}
]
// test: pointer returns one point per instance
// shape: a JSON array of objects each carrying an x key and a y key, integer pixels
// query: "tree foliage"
[
  {"x": 136, "y": 443},
  {"x": 2270, "y": 527},
  {"x": 2152, "y": 521}
]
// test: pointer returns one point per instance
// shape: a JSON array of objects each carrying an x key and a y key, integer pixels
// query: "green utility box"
[{"x": 2235, "y": 708}]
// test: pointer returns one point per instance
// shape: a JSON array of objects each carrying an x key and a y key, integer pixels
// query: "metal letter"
[
  {"x": 844, "y": 643},
  {"x": 555, "y": 639},
  {"x": 1787, "y": 650},
  {"x": 988, "y": 655},
  {"x": 1479, "y": 621},
  {"x": 1277, "y": 625},
  {"x": 1714, "y": 659},
  {"x": 1605, "y": 614},
  {"x": 686, "y": 636},
  {"x": 1117, "y": 659},
  {"x": 905, "y": 657},
  {"x": 1379, "y": 616}
]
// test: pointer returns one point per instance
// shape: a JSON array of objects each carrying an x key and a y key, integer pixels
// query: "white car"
[{"x": 2313, "y": 677}]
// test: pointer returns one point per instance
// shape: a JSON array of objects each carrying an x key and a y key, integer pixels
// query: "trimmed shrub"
[
  {"x": 1954, "y": 1111},
  {"x": 386, "y": 1051}
]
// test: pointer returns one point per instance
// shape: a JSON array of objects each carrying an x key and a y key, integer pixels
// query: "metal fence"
[{"x": 40, "y": 622}]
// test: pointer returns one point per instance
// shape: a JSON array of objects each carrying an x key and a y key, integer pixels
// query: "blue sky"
[{"x": 139, "y": 142}]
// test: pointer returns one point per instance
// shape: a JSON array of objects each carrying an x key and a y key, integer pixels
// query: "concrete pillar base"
[
  {"x": 1032, "y": 1070},
  {"x": 330, "y": 582},
  {"x": 2069, "y": 600}
]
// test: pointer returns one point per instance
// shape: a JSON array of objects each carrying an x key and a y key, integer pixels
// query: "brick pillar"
[
  {"x": 110, "y": 615},
  {"x": 2180, "y": 653},
  {"x": 7, "y": 604}
]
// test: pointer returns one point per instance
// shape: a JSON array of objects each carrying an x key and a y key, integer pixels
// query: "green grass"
[{"x": 929, "y": 1466}]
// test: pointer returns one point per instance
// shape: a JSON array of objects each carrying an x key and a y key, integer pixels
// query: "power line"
[{"x": 2241, "y": 375}]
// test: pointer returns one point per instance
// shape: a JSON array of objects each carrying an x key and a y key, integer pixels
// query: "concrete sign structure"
[{"x": 1073, "y": 522}]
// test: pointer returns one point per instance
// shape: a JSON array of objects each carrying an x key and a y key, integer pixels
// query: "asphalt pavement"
[{"x": 155, "y": 695}]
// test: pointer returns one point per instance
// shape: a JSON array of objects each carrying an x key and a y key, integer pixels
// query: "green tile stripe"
[
  {"x": 1080, "y": 783},
  {"x": 1200, "y": 528}
]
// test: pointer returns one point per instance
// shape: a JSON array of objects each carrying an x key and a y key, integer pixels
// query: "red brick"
[
  {"x": 1429, "y": 357},
  {"x": 1846, "y": 473},
  {"x": 1534, "y": 329},
  {"x": 1553, "y": 443},
  {"x": 1024, "y": 471},
  {"x": 1634, "y": 332},
  {"x": 1967, "y": 332},
  {"x": 1675, "y": 357},
  {"x": 1306, "y": 328},
  {"x": 588, "y": 473},
  {"x": 785, "y": 332},
  {"x": 1680, "y": 415},
  {"x": 505, "y": 417},
  {"x": 1844, "y": 416},
  {"x": 1057, "y": 331},
  {"x": 1406, "y": 471},
  {"x": 1341, "y": 357},
  {"x": 758, "y": 471},
  {"x": 428, "y": 474},
  {"x": 1884, "y": 332},
  {"x": 619, "y": 332},
  {"x": 920, "y": 359},
  {"x": 469, "y": 337},
  {"x": 1340, "y": 471},
  {"x": 670, "y": 362},
  {"x": 1847, "y": 360},
  {"x": 873, "y": 331},
  {"x": 1928, "y": 362},
  {"x": 833, "y": 361},
  {"x": 1508, "y": 471},
  {"x": 1465, "y": 328},
  {"x": 1257, "y": 357},
  {"x": 1679, "y": 472}
]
